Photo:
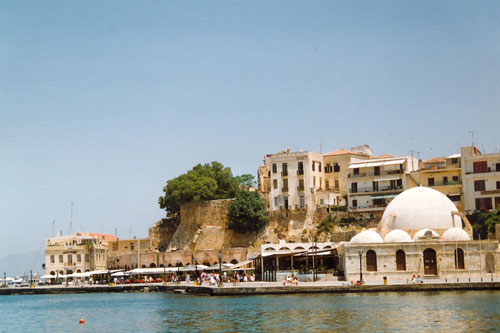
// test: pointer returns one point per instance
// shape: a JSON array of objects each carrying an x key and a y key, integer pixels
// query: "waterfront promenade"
[{"x": 266, "y": 288}]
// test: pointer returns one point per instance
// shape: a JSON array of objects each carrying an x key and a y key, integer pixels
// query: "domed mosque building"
[{"x": 421, "y": 232}]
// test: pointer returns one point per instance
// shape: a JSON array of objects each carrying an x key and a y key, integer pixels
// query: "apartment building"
[
  {"x": 443, "y": 174},
  {"x": 373, "y": 183},
  {"x": 481, "y": 179},
  {"x": 337, "y": 171},
  {"x": 77, "y": 253},
  {"x": 293, "y": 180}
]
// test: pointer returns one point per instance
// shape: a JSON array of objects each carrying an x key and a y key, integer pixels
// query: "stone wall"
[{"x": 162, "y": 232}]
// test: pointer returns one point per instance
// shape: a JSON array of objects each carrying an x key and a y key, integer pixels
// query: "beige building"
[
  {"x": 481, "y": 179},
  {"x": 421, "y": 232},
  {"x": 443, "y": 174},
  {"x": 121, "y": 248},
  {"x": 77, "y": 253},
  {"x": 373, "y": 183}
]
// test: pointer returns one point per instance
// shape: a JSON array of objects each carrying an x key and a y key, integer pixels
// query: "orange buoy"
[{"x": 82, "y": 321}]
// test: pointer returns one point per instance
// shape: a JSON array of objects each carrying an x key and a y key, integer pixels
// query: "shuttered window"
[{"x": 371, "y": 261}]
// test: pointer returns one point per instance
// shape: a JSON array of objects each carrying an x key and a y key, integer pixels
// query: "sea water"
[{"x": 464, "y": 311}]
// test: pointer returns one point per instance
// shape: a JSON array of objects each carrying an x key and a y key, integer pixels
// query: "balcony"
[
  {"x": 300, "y": 188},
  {"x": 376, "y": 190},
  {"x": 450, "y": 182},
  {"x": 300, "y": 172},
  {"x": 284, "y": 173},
  {"x": 373, "y": 174},
  {"x": 284, "y": 189},
  {"x": 488, "y": 170}
]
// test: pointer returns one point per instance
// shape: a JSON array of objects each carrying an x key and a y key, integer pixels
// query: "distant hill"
[{"x": 19, "y": 264}]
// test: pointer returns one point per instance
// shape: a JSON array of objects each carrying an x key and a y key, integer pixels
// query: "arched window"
[
  {"x": 234, "y": 261},
  {"x": 459, "y": 259},
  {"x": 78, "y": 271},
  {"x": 152, "y": 265},
  {"x": 143, "y": 266},
  {"x": 162, "y": 265},
  {"x": 284, "y": 248},
  {"x": 169, "y": 265},
  {"x": 400, "y": 260},
  {"x": 371, "y": 261}
]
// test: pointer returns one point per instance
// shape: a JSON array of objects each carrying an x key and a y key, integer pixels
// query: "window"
[
  {"x": 79, "y": 258},
  {"x": 275, "y": 168},
  {"x": 52, "y": 259},
  {"x": 483, "y": 204},
  {"x": 301, "y": 185},
  {"x": 276, "y": 201},
  {"x": 480, "y": 167},
  {"x": 327, "y": 183},
  {"x": 454, "y": 197},
  {"x": 284, "y": 169},
  {"x": 336, "y": 183},
  {"x": 497, "y": 202},
  {"x": 498, "y": 185},
  {"x": 115, "y": 246},
  {"x": 60, "y": 258},
  {"x": 321, "y": 201},
  {"x": 445, "y": 180},
  {"x": 87, "y": 258},
  {"x": 400, "y": 260},
  {"x": 497, "y": 167},
  {"x": 70, "y": 258},
  {"x": 285, "y": 185},
  {"x": 355, "y": 171},
  {"x": 355, "y": 203},
  {"x": 375, "y": 186},
  {"x": 328, "y": 168},
  {"x": 275, "y": 184},
  {"x": 302, "y": 201},
  {"x": 459, "y": 259},
  {"x": 336, "y": 167},
  {"x": 376, "y": 170},
  {"x": 319, "y": 166},
  {"x": 479, "y": 185},
  {"x": 132, "y": 246},
  {"x": 314, "y": 181},
  {"x": 354, "y": 188},
  {"x": 320, "y": 182},
  {"x": 313, "y": 166},
  {"x": 143, "y": 245},
  {"x": 455, "y": 178},
  {"x": 399, "y": 183},
  {"x": 300, "y": 168},
  {"x": 371, "y": 261},
  {"x": 430, "y": 181},
  {"x": 454, "y": 160}
]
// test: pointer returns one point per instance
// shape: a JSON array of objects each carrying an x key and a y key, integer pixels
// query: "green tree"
[
  {"x": 203, "y": 182},
  {"x": 247, "y": 212},
  {"x": 492, "y": 219}
]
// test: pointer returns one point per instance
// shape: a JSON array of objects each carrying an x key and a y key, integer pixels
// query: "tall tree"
[{"x": 247, "y": 212}]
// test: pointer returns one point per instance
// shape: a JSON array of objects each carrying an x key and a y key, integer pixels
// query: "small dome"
[
  {"x": 367, "y": 236},
  {"x": 425, "y": 234},
  {"x": 456, "y": 234},
  {"x": 421, "y": 207},
  {"x": 397, "y": 236}
]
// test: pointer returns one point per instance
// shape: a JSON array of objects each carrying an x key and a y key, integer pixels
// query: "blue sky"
[{"x": 102, "y": 102}]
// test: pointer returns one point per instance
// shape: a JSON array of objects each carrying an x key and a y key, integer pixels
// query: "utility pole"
[{"x": 472, "y": 136}]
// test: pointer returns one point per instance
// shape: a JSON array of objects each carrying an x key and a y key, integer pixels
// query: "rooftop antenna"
[
  {"x": 116, "y": 234},
  {"x": 472, "y": 136},
  {"x": 53, "y": 228},
  {"x": 320, "y": 147},
  {"x": 71, "y": 218}
]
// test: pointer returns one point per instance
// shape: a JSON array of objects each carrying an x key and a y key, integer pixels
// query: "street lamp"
[
  {"x": 220, "y": 268},
  {"x": 360, "y": 267},
  {"x": 196, "y": 266}
]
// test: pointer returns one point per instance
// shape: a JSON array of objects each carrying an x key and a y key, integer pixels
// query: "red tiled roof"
[
  {"x": 106, "y": 237},
  {"x": 383, "y": 156},
  {"x": 435, "y": 160}
]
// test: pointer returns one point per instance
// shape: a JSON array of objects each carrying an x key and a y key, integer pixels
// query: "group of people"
[
  {"x": 417, "y": 279},
  {"x": 291, "y": 280}
]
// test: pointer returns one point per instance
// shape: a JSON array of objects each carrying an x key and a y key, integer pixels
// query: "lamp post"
[
  {"x": 220, "y": 268},
  {"x": 196, "y": 266},
  {"x": 360, "y": 267}
]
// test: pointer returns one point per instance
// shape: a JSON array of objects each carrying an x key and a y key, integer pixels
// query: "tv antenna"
[{"x": 472, "y": 136}]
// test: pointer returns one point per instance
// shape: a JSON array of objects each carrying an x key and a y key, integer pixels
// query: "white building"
[
  {"x": 373, "y": 183},
  {"x": 481, "y": 179}
]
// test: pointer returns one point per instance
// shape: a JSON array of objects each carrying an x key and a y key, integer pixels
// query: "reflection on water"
[{"x": 426, "y": 311}]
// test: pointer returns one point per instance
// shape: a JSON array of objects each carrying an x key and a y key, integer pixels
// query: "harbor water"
[{"x": 166, "y": 312}]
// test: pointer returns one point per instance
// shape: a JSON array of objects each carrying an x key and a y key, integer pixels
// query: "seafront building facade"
[
  {"x": 373, "y": 183},
  {"x": 443, "y": 174},
  {"x": 481, "y": 179},
  {"x": 77, "y": 253}
]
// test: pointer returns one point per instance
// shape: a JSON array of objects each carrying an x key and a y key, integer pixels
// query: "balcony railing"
[
  {"x": 488, "y": 170},
  {"x": 284, "y": 173},
  {"x": 300, "y": 172},
  {"x": 284, "y": 189},
  {"x": 300, "y": 188},
  {"x": 450, "y": 182},
  {"x": 380, "y": 189},
  {"x": 373, "y": 174}
]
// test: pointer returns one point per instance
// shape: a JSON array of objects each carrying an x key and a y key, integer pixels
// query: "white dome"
[
  {"x": 456, "y": 234},
  {"x": 419, "y": 208},
  {"x": 425, "y": 234},
  {"x": 367, "y": 236},
  {"x": 397, "y": 236}
]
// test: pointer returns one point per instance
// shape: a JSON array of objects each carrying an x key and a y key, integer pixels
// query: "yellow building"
[{"x": 442, "y": 174}]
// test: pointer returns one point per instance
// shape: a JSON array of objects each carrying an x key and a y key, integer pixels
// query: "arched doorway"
[
  {"x": 490, "y": 263},
  {"x": 459, "y": 259},
  {"x": 430, "y": 264},
  {"x": 400, "y": 260},
  {"x": 371, "y": 261},
  {"x": 152, "y": 265}
]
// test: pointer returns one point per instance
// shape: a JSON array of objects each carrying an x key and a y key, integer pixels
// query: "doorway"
[{"x": 430, "y": 265}]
